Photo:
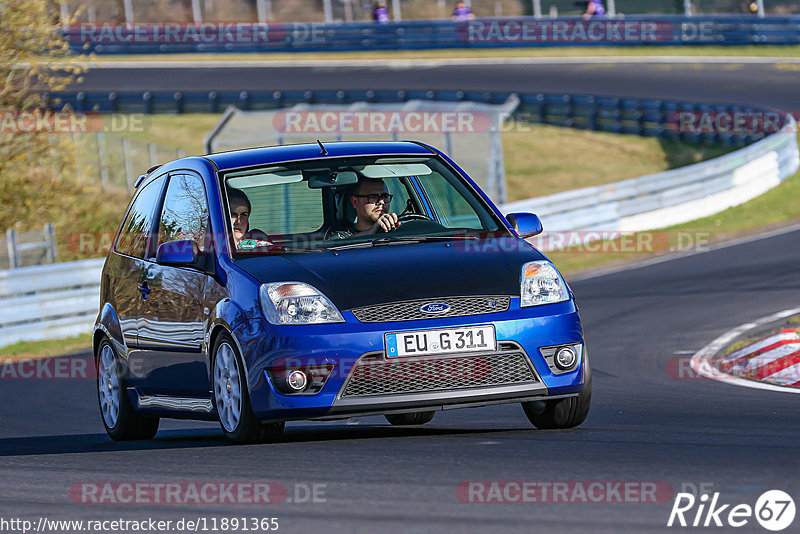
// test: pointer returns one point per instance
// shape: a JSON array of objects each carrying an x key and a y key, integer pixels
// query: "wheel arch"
[{"x": 108, "y": 326}]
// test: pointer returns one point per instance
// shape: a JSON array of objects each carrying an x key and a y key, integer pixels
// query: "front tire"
[
  {"x": 121, "y": 420},
  {"x": 232, "y": 399},
  {"x": 563, "y": 413},
  {"x": 415, "y": 418}
]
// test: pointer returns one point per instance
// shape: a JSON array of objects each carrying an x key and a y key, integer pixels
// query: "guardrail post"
[
  {"x": 264, "y": 9},
  {"x": 50, "y": 240},
  {"x": 128, "y": 6},
  {"x": 11, "y": 243},
  {"x": 113, "y": 101},
  {"x": 126, "y": 155},
  {"x": 213, "y": 102},
  {"x": 147, "y": 99},
  {"x": 178, "y": 97},
  {"x": 151, "y": 148},
  {"x": 101, "y": 153},
  {"x": 537, "y": 8}
]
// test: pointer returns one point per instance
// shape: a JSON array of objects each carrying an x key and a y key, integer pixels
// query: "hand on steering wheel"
[{"x": 386, "y": 223}]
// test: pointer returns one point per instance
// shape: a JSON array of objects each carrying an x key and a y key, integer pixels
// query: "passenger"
[
  {"x": 240, "y": 220},
  {"x": 371, "y": 201}
]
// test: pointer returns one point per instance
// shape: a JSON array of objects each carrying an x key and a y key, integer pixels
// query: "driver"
[{"x": 371, "y": 201}]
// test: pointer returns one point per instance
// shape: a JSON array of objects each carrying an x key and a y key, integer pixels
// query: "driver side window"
[{"x": 185, "y": 211}]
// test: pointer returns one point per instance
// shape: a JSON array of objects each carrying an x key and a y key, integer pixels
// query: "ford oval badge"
[{"x": 435, "y": 308}]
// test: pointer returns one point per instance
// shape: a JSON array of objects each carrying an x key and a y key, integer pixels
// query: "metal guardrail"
[
  {"x": 49, "y": 301},
  {"x": 671, "y": 197},
  {"x": 650, "y": 118},
  {"x": 31, "y": 248},
  {"x": 634, "y": 30}
]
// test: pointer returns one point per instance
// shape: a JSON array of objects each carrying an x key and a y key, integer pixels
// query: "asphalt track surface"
[
  {"x": 646, "y": 424},
  {"x": 774, "y": 85}
]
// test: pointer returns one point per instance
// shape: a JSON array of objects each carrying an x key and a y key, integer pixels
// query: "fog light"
[
  {"x": 297, "y": 380},
  {"x": 565, "y": 358}
]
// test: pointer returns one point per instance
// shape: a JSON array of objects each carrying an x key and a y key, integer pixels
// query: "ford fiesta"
[{"x": 260, "y": 286}]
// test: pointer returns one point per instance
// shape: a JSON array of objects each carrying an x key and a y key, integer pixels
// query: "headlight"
[
  {"x": 541, "y": 284},
  {"x": 296, "y": 303}
]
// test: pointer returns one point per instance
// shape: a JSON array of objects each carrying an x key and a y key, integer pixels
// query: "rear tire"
[
  {"x": 563, "y": 413},
  {"x": 121, "y": 421},
  {"x": 232, "y": 399},
  {"x": 415, "y": 418}
]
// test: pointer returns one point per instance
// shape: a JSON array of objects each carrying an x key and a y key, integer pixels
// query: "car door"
[
  {"x": 127, "y": 266},
  {"x": 172, "y": 320}
]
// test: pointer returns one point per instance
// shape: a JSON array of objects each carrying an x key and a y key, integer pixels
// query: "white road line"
[
  {"x": 700, "y": 361},
  {"x": 415, "y": 63}
]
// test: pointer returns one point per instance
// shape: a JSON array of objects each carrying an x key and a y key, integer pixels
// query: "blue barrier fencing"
[
  {"x": 656, "y": 30},
  {"x": 681, "y": 121}
]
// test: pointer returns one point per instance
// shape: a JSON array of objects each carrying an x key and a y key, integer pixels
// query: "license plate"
[{"x": 442, "y": 341}]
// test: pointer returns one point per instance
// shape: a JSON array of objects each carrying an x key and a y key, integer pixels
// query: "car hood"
[{"x": 366, "y": 276}]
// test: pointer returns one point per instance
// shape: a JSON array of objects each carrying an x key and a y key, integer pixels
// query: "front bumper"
[{"x": 343, "y": 345}]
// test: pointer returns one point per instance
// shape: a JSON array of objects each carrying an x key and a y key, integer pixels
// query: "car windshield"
[{"x": 338, "y": 203}]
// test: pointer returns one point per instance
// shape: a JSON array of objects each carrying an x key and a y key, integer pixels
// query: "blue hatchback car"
[{"x": 321, "y": 282}]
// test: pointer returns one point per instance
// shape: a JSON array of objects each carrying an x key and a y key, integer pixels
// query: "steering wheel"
[{"x": 406, "y": 217}]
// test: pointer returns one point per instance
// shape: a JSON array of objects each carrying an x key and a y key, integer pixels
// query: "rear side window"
[
  {"x": 136, "y": 228},
  {"x": 185, "y": 211}
]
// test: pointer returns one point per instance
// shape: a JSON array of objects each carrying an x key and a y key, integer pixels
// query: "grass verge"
[{"x": 29, "y": 350}]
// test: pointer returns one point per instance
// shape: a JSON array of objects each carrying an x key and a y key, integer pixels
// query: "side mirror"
[
  {"x": 526, "y": 224},
  {"x": 178, "y": 253}
]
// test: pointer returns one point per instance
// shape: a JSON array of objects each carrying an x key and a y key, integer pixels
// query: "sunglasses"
[{"x": 373, "y": 199}]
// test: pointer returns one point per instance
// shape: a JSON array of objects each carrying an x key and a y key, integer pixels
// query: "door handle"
[{"x": 144, "y": 289}]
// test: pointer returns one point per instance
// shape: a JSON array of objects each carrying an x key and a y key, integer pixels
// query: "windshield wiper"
[
  {"x": 360, "y": 244},
  {"x": 420, "y": 238},
  {"x": 388, "y": 240},
  {"x": 274, "y": 250}
]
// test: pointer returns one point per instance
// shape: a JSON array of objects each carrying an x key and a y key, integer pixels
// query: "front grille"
[
  {"x": 409, "y": 310},
  {"x": 374, "y": 375}
]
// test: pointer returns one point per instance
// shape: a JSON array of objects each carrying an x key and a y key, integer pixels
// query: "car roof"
[{"x": 277, "y": 154}]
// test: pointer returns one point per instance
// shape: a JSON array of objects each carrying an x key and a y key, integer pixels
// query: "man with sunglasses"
[{"x": 371, "y": 201}]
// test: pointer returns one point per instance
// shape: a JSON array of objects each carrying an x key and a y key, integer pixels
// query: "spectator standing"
[
  {"x": 462, "y": 12},
  {"x": 594, "y": 9},
  {"x": 380, "y": 13}
]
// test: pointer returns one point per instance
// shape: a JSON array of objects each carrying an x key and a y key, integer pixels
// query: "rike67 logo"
[{"x": 774, "y": 510}]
